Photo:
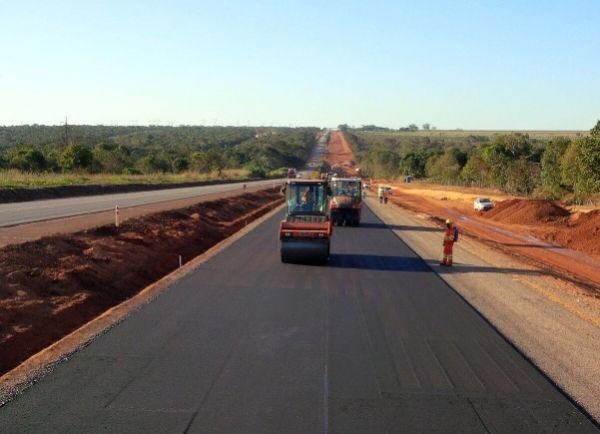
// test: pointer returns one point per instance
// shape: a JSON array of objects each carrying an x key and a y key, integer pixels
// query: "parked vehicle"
[{"x": 483, "y": 204}]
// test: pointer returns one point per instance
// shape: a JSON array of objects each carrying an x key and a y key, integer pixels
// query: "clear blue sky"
[{"x": 472, "y": 64}]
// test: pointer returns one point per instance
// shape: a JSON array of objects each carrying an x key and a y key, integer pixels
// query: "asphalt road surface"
[
  {"x": 375, "y": 342},
  {"x": 27, "y": 212}
]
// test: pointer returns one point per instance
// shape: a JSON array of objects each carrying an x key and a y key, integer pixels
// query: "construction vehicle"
[
  {"x": 305, "y": 233},
  {"x": 346, "y": 201}
]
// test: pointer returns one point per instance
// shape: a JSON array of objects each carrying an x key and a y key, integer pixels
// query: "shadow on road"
[
  {"x": 401, "y": 263},
  {"x": 399, "y": 227},
  {"x": 377, "y": 262}
]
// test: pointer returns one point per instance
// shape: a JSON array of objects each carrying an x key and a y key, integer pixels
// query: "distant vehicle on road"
[
  {"x": 482, "y": 204},
  {"x": 346, "y": 201},
  {"x": 291, "y": 173}
]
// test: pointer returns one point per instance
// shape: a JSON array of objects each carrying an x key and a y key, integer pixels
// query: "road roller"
[
  {"x": 346, "y": 201},
  {"x": 305, "y": 233}
]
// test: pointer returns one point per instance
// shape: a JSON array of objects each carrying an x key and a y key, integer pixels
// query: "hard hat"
[{"x": 448, "y": 221}]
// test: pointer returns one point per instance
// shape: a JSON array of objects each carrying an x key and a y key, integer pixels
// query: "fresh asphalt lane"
[
  {"x": 26, "y": 212},
  {"x": 374, "y": 342}
]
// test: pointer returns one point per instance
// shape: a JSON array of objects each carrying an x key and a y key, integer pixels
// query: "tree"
[
  {"x": 595, "y": 132},
  {"x": 588, "y": 166},
  {"x": 443, "y": 167},
  {"x": 153, "y": 163},
  {"x": 551, "y": 167},
  {"x": 522, "y": 176},
  {"x": 413, "y": 127},
  {"x": 426, "y": 127},
  {"x": 75, "y": 156},
  {"x": 569, "y": 170},
  {"x": 201, "y": 162},
  {"x": 256, "y": 171},
  {"x": 475, "y": 171},
  {"x": 28, "y": 159},
  {"x": 413, "y": 163},
  {"x": 180, "y": 164},
  {"x": 112, "y": 159}
]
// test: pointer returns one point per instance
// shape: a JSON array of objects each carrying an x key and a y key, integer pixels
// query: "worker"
[
  {"x": 306, "y": 196},
  {"x": 386, "y": 195},
  {"x": 450, "y": 236}
]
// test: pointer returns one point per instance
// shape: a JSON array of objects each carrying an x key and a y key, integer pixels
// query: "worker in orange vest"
[{"x": 450, "y": 236}]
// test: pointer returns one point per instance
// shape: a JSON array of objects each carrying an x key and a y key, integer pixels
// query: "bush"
[{"x": 256, "y": 171}]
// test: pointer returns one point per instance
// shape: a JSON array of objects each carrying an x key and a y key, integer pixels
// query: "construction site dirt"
[
  {"x": 339, "y": 153},
  {"x": 55, "y": 284},
  {"x": 543, "y": 232}
]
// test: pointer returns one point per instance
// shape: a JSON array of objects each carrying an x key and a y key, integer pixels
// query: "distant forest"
[
  {"x": 550, "y": 165},
  {"x": 152, "y": 149}
]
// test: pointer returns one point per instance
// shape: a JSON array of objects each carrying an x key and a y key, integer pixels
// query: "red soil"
[
  {"x": 55, "y": 284},
  {"x": 340, "y": 153},
  {"x": 512, "y": 224},
  {"x": 582, "y": 233},
  {"x": 527, "y": 212}
]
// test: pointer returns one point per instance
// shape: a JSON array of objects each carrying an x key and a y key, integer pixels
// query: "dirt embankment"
[
  {"x": 9, "y": 195},
  {"x": 339, "y": 154},
  {"x": 552, "y": 222},
  {"x": 54, "y": 285},
  {"x": 544, "y": 233},
  {"x": 527, "y": 212}
]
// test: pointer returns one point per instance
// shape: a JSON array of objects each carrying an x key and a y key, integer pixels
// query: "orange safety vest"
[{"x": 448, "y": 240}]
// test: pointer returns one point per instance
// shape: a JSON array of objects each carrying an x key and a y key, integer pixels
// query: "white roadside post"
[
  {"x": 117, "y": 215},
  {"x": 179, "y": 261}
]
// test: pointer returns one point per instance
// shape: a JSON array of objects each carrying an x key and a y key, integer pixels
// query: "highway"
[
  {"x": 26, "y": 212},
  {"x": 375, "y": 342}
]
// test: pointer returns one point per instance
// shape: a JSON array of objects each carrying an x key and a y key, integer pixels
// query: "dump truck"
[
  {"x": 305, "y": 233},
  {"x": 346, "y": 201}
]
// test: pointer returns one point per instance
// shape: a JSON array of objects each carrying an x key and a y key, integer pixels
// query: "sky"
[{"x": 470, "y": 64}]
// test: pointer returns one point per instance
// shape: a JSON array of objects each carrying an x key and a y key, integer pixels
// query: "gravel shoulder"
[{"x": 551, "y": 321}]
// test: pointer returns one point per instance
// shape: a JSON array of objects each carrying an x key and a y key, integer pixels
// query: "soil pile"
[
  {"x": 582, "y": 234},
  {"x": 527, "y": 212},
  {"x": 51, "y": 286}
]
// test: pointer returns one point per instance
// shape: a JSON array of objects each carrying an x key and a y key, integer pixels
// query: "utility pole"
[{"x": 66, "y": 132}]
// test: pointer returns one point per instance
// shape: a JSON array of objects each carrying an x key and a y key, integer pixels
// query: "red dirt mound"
[
  {"x": 583, "y": 234},
  {"x": 51, "y": 286},
  {"x": 527, "y": 212}
]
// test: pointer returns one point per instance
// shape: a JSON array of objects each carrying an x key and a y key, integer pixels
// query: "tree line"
[
  {"x": 153, "y": 149},
  {"x": 554, "y": 168}
]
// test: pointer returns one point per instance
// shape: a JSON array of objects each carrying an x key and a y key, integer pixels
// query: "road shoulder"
[{"x": 549, "y": 320}]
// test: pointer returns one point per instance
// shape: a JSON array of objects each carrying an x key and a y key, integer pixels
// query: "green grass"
[{"x": 14, "y": 179}]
